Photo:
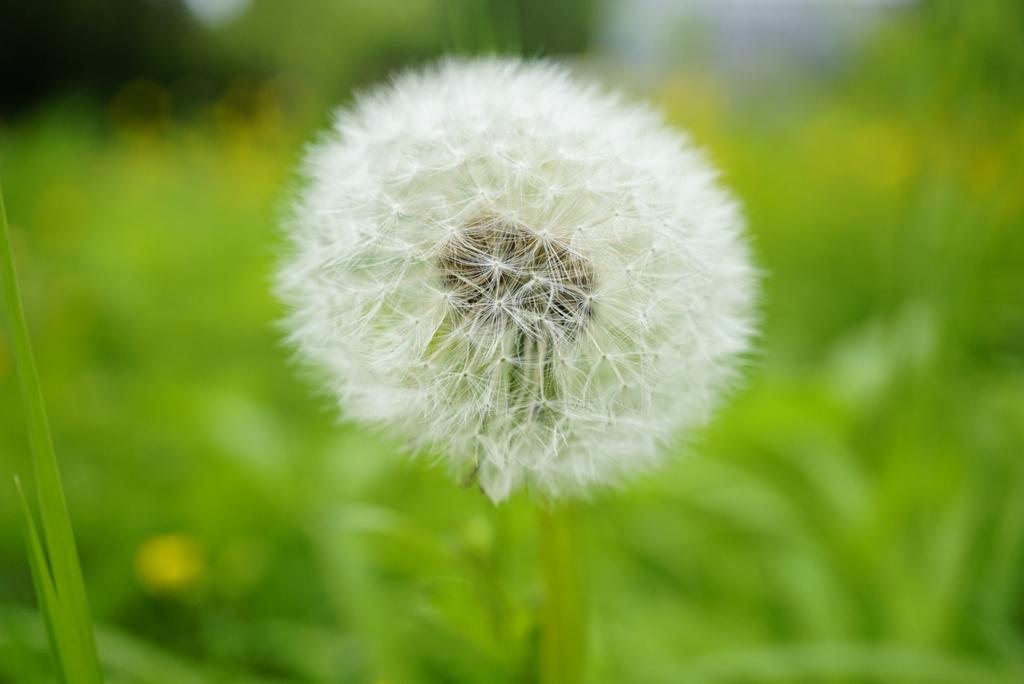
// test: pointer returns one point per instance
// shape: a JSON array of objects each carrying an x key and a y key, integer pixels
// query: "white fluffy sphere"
[{"x": 518, "y": 272}]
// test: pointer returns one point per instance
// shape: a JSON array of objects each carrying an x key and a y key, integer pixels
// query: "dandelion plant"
[{"x": 521, "y": 273}]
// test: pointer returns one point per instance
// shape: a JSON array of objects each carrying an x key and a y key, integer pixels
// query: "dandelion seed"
[{"x": 519, "y": 272}]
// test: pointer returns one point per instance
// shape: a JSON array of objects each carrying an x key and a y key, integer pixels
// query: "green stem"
[
  {"x": 76, "y": 647},
  {"x": 563, "y": 624}
]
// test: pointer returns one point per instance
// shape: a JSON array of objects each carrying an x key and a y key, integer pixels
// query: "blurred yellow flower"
[{"x": 169, "y": 563}]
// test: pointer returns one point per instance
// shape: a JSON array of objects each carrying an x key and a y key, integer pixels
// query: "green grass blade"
[
  {"x": 42, "y": 580},
  {"x": 70, "y": 616}
]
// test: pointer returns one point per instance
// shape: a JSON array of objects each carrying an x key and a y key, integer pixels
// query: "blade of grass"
[
  {"x": 74, "y": 641},
  {"x": 42, "y": 580}
]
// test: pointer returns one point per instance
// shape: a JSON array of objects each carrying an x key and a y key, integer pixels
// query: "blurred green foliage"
[
  {"x": 92, "y": 47},
  {"x": 856, "y": 514}
]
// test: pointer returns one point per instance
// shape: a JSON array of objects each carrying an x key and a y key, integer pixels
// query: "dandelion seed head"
[{"x": 519, "y": 272}]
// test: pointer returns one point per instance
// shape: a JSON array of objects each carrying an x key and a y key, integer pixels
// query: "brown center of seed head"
[{"x": 505, "y": 274}]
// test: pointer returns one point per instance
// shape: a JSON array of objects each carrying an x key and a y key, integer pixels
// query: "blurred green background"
[{"x": 855, "y": 515}]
